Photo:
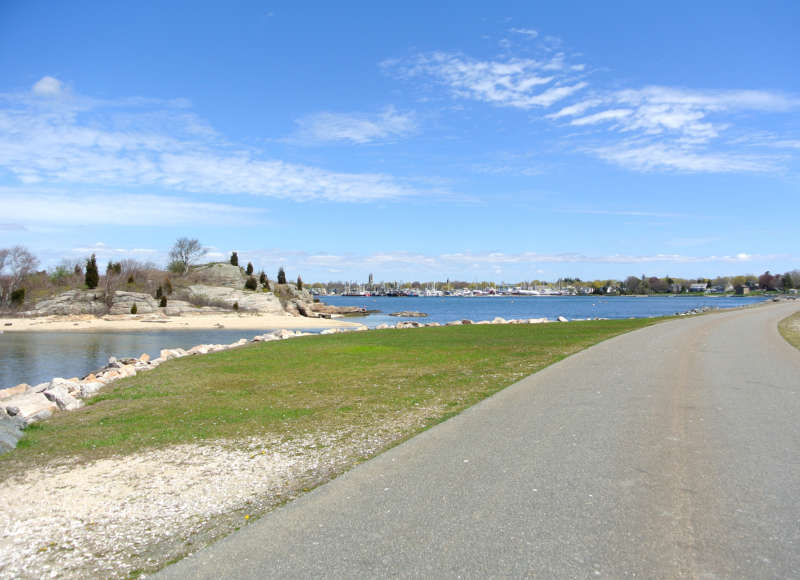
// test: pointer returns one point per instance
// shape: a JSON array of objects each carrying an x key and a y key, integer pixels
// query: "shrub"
[
  {"x": 167, "y": 286},
  {"x": 159, "y": 292},
  {"x": 262, "y": 278},
  {"x": 163, "y": 302},
  {"x": 234, "y": 259},
  {"x": 134, "y": 310},
  {"x": 92, "y": 277},
  {"x": 251, "y": 284},
  {"x": 281, "y": 276},
  {"x": 131, "y": 279},
  {"x": 299, "y": 283},
  {"x": 249, "y": 270},
  {"x": 176, "y": 267},
  {"x": 236, "y": 306},
  {"x": 18, "y": 296}
]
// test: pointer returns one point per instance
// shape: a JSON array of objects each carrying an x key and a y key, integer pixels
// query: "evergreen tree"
[
  {"x": 234, "y": 259},
  {"x": 163, "y": 302},
  {"x": 92, "y": 277},
  {"x": 281, "y": 276},
  {"x": 167, "y": 285},
  {"x": 249, "y": 270},
  {"x": 299, "y": 283},
  {"x": 251, "y": 283},
  {"x": 134, "y": 310},
  {"x": 262, "y": 278},
  {"x": 18, "y": 296},
  {"x": 159, "y": 292}
]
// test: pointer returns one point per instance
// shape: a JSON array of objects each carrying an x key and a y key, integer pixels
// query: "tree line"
[{"x": 20, "y": 278}]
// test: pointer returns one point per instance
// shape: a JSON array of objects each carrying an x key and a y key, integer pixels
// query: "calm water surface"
[
  {"x": 36, "y": 357},
  {"x": 445, "y": 309}
]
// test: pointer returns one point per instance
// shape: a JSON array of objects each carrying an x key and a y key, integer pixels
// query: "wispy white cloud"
[
  {"x": 675, "y": 129},
  {"x": 30, "y": 206},
  {"x": 329, "y": 127},
  {"x": 660, "y": 156},
  {"x": 627, "y": 213},
  {"x": 575, "y": 109},
  {"x": 138, "y": 143},
  {"x": 514, "y": 82},
  {"x": 657, "y": 110},
  {"x": 529, "y": 32},
  {"x": 610, "y": 115}
]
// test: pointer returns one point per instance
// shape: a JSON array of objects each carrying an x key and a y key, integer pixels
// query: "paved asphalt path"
[{"x": 669, "y": 452}]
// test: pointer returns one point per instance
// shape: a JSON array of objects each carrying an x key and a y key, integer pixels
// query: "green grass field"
[
  {"x": 308, "y": 385},
  {"x": 790, "y": 329}
]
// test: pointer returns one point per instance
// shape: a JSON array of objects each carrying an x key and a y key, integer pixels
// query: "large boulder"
[
  {"x": 254, "y": 301},
  {"x": 123, "y": 301},
  {"x": 73, "y": 302},
  {"x": 13, "y": 391},
  {"x": 10, "y": 432},
  {"x": 61, "y": 397},
  {"x": 218, "y": 274},
  {"x": 30, "y": 407}
]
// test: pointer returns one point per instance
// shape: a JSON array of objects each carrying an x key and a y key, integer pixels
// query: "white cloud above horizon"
[
  {"x": 27, "y": 206},
  {"x": 47, "y": 86},
  {"x": 522, "y": 83},
  {"x": 358, "y": 128},
  {"x": 141, "y": 142},
  {"x": 677, "y": 129}
]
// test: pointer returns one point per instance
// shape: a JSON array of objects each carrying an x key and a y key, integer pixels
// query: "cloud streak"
[
  {"x": 141, "y": 143},
  {"x": 513, "y": 82},
  {"x": 42, "y": 207},
  {"x": 326, "y": 127}
]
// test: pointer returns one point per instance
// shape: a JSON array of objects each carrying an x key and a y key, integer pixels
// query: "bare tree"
[
  {"x": 184, "y": 253},
  {"x": 19, "y": 262}
]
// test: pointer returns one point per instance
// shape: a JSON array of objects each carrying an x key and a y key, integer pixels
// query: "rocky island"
[{"x": 209, "y": 296}]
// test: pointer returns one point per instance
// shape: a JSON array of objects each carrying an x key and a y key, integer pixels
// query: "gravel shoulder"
[{"x": 120, "y": 516}]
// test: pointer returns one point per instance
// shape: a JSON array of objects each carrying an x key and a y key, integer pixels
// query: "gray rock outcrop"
[
  {"x": 123, "y": 301},
  {"x": 218, "y": 274},
  {"x": 73, "y": 302},
  {"x": 254, "y": 301}
]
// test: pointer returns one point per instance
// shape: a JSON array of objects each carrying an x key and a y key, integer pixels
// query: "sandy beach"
[{"x": 231, "y": 321}]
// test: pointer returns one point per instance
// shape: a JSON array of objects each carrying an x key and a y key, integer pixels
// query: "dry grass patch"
[{"x": 790, "y": 329}]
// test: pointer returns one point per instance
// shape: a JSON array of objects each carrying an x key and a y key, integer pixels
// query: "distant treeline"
[
  {"x": 22, "y": 282},
  {"x": 630, "y": 285}
]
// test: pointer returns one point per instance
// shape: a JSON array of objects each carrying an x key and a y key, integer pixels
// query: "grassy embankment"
[
  {"x": 790, "y": 329},
  {"x": 355, "y": 381}
]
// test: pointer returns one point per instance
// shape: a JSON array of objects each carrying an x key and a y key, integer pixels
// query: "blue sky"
[{"x": 505, "y": 142}]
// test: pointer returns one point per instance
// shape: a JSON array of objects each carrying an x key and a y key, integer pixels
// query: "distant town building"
[{"x": 698, "y": 287}]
